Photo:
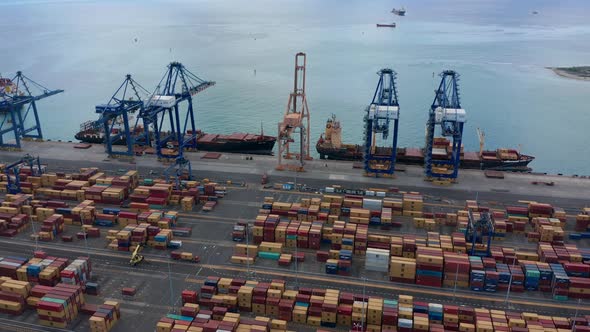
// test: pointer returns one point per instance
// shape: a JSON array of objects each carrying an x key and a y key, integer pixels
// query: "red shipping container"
[{"x": 50, "y": 306}]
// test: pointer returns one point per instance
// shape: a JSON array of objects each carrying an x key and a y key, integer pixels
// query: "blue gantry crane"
[
  {"x": 445, "y": 111},
  {"x": 479, "y": 233},
  {"x": 383, "y": 110},
  {"x": 180, "y": 169},
  {"x": 172, "y": 103},
  {"x": 176, "y": 88},
  {"x": 12, "y": 171},
  {"x": 18, "y": 109},
  {"x": 127, "y": 100}
]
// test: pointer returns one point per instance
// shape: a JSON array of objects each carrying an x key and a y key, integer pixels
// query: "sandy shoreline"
[{"x": 565, "y": 74}]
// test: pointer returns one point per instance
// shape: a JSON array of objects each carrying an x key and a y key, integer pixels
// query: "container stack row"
[
  {"x": 47, "y": 270},
  {"x": 91, "y": 184},
  {"x": 105, "y": 316},
  {"x": 222, "y": 302}
]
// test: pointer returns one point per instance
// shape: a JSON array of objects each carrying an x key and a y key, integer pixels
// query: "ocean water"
[{"x": 499, "y": 48}]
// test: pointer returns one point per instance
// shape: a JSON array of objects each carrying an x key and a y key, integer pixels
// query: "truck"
[{"x": 240, "y": 231}]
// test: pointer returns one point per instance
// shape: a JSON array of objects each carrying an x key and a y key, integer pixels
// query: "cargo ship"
[
  {"x": 236, "y": 142},
  {"x": 330, "y": 146}
]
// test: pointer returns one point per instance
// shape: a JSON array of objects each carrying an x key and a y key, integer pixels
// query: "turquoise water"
[{"x": 499, "y": 48}]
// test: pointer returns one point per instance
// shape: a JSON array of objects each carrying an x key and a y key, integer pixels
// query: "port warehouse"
[{"x": 52, "y": 188}]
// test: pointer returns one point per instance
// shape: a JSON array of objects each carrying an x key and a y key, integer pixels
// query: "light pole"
[
  {"x": 576, "y": 315},
  {"x": 85, "y": 236},
  {"x": 33, "y": 230},
  {"x": 171, "y": 287},
  {"x": 364, "y": 304},
  {"x": 248, "y": 248},
  {"x": 510, "y": 282},
  {"x": 296, "y": 265},
  {"x": 456, "y": 277}
]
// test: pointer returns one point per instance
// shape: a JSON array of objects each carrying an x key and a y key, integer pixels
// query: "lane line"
[{"x": 341, "y": 281}]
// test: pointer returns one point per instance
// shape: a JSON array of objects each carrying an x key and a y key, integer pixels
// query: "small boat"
[
  {"x": 399, "y": 12},
  {"x": 392, "y": 25}
]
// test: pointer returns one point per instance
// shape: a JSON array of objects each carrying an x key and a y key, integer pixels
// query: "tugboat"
[{"x": 330, "y": 146}]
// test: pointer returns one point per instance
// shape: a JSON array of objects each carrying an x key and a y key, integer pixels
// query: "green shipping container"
[
  {"x": 269, "y": 255},
  {"x": 179, "y": 317}
]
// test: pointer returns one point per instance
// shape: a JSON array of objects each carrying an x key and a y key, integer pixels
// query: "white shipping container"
[
  {"x": 377, "y": 262},
  {"x": 406, "y": 323},
  {"x": 374, "y": 252},
  {"x": 406, "y": 309},
  {"x": 163, "y": 101},
  {"x": 329, "y": 189},
  {"x": 377, "y": 268},
  {"x": 435, "y": 307},
  {"x": 372, "y": 204},
  {"x": 10, "y": 264},
  {"x": 439, "y": 152},
  {"x": 176, "y": 242},
  {"x": 369, "y": 193},
  {"x": 380, "y": 193}
]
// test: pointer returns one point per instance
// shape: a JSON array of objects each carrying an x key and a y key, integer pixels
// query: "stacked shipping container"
[{"x": 338, "y": 309}]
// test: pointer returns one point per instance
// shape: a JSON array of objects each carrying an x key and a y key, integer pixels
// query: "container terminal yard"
[
  {"x": 211, "y": 237},
  {"x": 182, "y": 240}
]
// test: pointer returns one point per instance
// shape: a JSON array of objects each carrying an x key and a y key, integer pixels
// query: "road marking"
[
  {"x": 393, "y": 287},
  {"x": 332, "y": 280}
]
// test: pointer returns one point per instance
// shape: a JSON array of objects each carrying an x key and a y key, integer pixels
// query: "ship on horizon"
[{"x": 330, "y": 146}]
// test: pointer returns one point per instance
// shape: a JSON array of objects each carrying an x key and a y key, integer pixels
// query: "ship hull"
[
  {"x": 262, "y": 147},
  {"x": 355, "y": 153},
  {"x": 249, "y": 147}
]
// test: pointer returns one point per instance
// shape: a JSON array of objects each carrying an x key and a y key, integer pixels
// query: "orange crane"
[{"x": 295, "y": 121}]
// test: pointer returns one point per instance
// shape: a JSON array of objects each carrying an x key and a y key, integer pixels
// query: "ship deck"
[{"x": 211, "y": 237}]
